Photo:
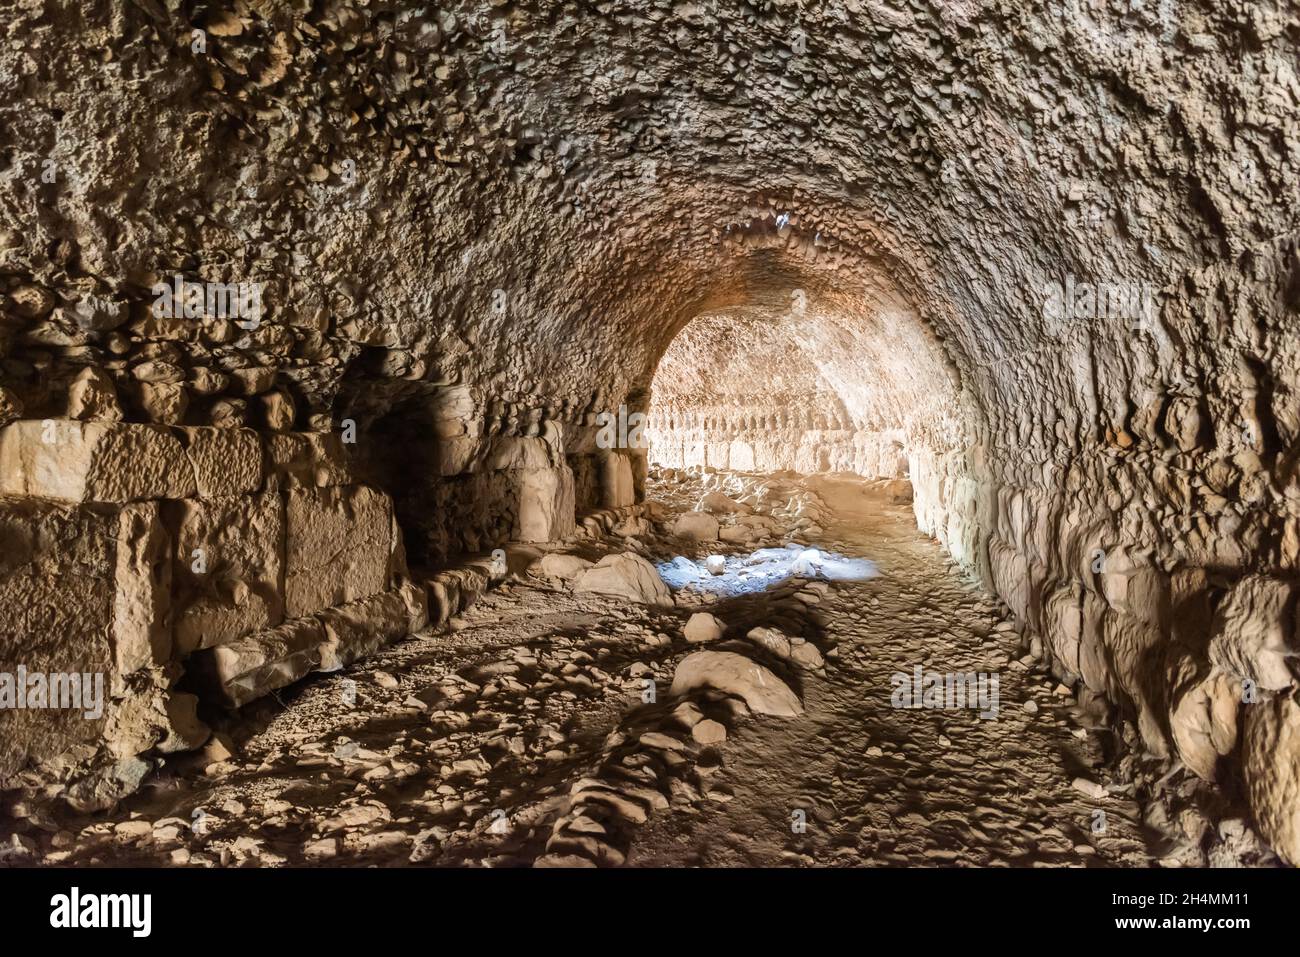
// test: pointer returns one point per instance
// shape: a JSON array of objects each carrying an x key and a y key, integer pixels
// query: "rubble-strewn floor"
[
  {"x": 880, "y": 785},
  {"x": 465, "y": 747}
]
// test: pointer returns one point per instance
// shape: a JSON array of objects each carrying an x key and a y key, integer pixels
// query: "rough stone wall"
[
  {"x": 64, "y": 568},
  {"x": 519, "y": 206},
  {"x": 171, "y": 560}
]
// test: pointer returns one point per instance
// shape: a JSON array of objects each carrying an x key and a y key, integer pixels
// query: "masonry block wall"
[
  {"x": 234, "y": 560},
  {"x": 188, "y": 562}
]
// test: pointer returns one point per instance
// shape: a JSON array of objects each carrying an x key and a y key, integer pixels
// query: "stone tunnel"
[{"x": 535, "y": 414}]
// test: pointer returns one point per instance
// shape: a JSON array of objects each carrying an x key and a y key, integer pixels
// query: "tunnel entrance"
[{"x": 1002, "y": 301}]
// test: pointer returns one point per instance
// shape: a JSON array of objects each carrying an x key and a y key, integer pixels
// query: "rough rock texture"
[
  {"x": 83, "y": 592},
  {"x": 156, "y": 559},
  {"x": 1047, "y": 257},
  {"x": 735, "y": 674},
  {"x": 702, "y": 628},
  {"x": 625, "y": 576},
  {"x": 1272, "y": 757}
]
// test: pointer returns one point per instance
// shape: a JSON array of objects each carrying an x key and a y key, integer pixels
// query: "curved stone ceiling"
[{"x": 1051, "y": 252}]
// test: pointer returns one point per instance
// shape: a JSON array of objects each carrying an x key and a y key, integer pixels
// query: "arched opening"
[{"x": 1042, "y": 267}]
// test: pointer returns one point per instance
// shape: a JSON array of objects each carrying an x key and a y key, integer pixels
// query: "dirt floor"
[{"x": 541, "y": 729}]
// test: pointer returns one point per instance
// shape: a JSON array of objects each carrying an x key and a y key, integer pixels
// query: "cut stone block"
[
  {"x": 93, "y": 461},
  {"x": 254, "y": 665},
  {"x": 225, "y": 461},
  {"x": 142, "y": 576},
  {"x": 338, "y": 547},
  {"x": 81, "y": 592},
  {"x": 357, "y": 629},
  {"x": 308, "y": 459},
  {"x": 228, "y": 568}
]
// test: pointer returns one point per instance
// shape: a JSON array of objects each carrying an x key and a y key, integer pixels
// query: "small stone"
[
  {"x": 17, "y": 847},
  {"x": 278, "y": 410},
  {"x": 688, "y": 714},
  {"x": 656, "y": 739},
  {"x": 702, "y": 628},
  {"x": 93, "y": 397},
  {"x": 708, "y": 732},
  {"x": 1089, "y": 789},
  {"x": 322, "y": 850}
]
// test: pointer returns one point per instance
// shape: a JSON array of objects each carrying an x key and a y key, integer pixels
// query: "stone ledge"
[
  {"x": 113, "y": 462},
  {"x": 83, "y": 462},
  {"x": 254, "y": 665}
]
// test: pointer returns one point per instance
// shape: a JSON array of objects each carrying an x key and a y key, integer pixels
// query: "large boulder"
[
  {"x": 83, "y": 591},
  {"x": 700, "y": 526},
  {"x": 338, "y": 547},
  {"x": 559, "y": 565},
  {"x": 625, "y": 575},
  {"x": 735, "y": 674},
  {"x": 717, "y": 503},
  {"x": 228, "y": 568},
  {"x": 226, "y": 462}
]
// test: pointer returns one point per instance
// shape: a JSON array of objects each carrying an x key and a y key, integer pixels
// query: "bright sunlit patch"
[{"x": 743, "y": 574}]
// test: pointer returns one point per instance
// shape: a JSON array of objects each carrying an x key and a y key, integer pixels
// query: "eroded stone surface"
[{"x": 832, "y": 237}]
